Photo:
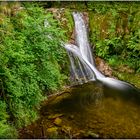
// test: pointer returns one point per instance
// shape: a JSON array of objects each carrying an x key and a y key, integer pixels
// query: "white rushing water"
[
  {"x": 82, "y": 64},
  {"x": 82, "y": 37},
  {"x": 80, "y": 56}
]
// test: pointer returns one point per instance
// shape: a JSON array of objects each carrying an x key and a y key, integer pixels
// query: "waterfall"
[
  {"x": 83, "y": 68},
  {"x": 80, "y": 72},
  {"x": 81, "y": 54},
  {"x": 89, "y": 68},
  {"x": 81, "y": 37}
]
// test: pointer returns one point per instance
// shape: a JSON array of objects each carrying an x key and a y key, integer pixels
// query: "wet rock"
[
  {"x": 103, "y": 67},
  {"x": 57, "y": 121}
]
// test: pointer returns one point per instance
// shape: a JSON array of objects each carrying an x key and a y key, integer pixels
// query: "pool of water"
[{"x": 87, "y": 110}]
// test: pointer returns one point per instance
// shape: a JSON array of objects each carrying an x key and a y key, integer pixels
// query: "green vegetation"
[
  {"x": 33, "y": 62},
  {"x": 30, "y": 65},
  {"x": 129, "y": 77},
  {"x": 115, "y": 32}
]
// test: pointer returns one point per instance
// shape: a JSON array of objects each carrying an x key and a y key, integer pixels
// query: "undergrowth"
[{"x": 30, "y": 64}]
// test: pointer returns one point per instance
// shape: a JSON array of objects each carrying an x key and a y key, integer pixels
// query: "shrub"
[
  {"x": 115, "y": 31},
  {"x": 30, "y": 65}
]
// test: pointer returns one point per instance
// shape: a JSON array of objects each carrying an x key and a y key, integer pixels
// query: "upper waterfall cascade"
[
  {"x": 83, "y": 68},
  {"x": 82, "y": 38}
]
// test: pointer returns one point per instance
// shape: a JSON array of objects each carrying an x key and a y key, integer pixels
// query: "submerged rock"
[
  {"x": 66, "y": 129},
  {"x": 54, "y": 116},
  {"x": 91, "y": 134},
  {"x": 113, "y": 118},
  {"x": 57, "y": 121},
  {"x": 71, "y": 116},
  {"x": 52, "y": 129},
  {"x": 84, "y": 134},
  {"x": 52, "y": 132}
]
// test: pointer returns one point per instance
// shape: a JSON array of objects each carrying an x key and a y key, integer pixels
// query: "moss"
[
  {"x": 114, "y": 31},
  {"x": 132, "y": 78},
  {"x": 69, "y": 26}
]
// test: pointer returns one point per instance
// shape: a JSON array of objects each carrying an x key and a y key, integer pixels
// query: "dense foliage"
[
  {"x": 33, "y": 60},
  {"x": 115, "y": 32},
  {"x": 30, "y": 64}
]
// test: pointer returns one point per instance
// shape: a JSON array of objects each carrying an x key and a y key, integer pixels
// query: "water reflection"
[{"x": 106, "y": 111}]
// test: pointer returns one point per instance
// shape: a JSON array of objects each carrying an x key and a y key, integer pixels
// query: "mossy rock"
[
  {"x": 52, "y": 129},
  {"x": 58, "y": 121}
]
